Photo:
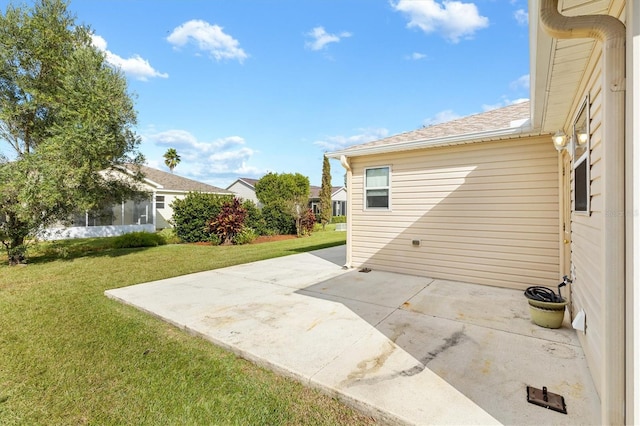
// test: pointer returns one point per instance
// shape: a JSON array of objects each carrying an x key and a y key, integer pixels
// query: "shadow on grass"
[
  {"x": 69, "y": 250},
  {"x": 93, "y": 253}
]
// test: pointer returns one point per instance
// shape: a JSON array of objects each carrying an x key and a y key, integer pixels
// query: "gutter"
[
  {"x": 344, "y": 161},
  {"x": 611, "y": 32},
  {"x": 524, "y": 130}
]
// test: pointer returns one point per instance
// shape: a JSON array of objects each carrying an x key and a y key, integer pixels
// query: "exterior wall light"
[
  {"x": 559, "y": 140},
  {"x": 583, "y": 137}
]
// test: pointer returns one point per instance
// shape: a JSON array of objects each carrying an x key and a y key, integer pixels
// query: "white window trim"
[
  {"x": 585, "y": 157},
  {"x": 365, "y": 188}
]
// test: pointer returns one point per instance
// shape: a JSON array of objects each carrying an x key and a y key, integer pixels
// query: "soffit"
[{"x": 558, "y": 66}]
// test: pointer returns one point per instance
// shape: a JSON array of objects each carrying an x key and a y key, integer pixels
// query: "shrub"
[
  {"x": 169, "y": 236},
  {"x": 215, "y": 239},
  {"x": 339, "y": 219},
  {"x": 192, "y": 214},
  {"x": 229, "y": 221},
  {"x": 278, "y": 219},
  {"x": 307, "y": 222},
  {"x": 138, "y": 239},
  {"x": 254, "y": 218},
  {"x": 245, "y": 236}
]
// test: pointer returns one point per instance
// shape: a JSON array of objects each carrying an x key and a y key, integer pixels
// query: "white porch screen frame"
[{"x": 377, "y": 188}]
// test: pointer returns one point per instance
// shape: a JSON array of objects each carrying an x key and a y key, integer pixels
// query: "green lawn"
[{"x": 69, "y": 355}]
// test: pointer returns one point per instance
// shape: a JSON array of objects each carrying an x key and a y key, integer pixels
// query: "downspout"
[
  {"x": 611, "y": 32},
  {"x": 344, "y": 161}
]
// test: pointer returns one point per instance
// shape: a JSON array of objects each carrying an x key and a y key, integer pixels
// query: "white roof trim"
[
  {"x": 522, "y": 131},
  {"x": 182, "y": 191},
  {"x": 342, "y": 188}
]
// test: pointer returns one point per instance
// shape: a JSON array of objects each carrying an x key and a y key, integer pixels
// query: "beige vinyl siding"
[
  {"x": 586, "y": 233},
  {"x": 484, "y": 213}
]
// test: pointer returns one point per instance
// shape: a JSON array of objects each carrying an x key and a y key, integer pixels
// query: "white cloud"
[
  {"x": 415, "y": 56},
  {"x": 521, "y": 82},
  {"x": 135, "y": 66},
  {"x": 207, "y": 161},
  {"x": 453, "y": 19},
  {"x": 441, "y": 117},
  {"x": 522, "y": 17},
  {"x": 210, "y": 38},
  {"x": 334, "y": 143},
  {"x": 505, "y": 102},
  {"x": 320, "y": 38}
]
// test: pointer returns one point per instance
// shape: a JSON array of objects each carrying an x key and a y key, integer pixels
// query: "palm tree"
[{"x": 171, "y": 158}]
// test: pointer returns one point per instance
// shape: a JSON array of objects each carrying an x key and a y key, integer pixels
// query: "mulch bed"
[{"x": 259, "y": 240}]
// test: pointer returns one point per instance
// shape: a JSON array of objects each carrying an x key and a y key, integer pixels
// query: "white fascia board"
[
  {"x": 491, "y": 135},
  {"x": 182, "y": 191},
  {"x": 540, "y": 48},
  {"x": 247, "y": 183},
  {"x": 152, "y": 183},
  {"x": 338, "y": 190}
]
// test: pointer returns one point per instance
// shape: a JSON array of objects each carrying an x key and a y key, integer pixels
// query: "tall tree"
[
  {"x": 66, "y": 121},
  {"x": 325, "y": 193},
  {"x": 171, "y": 158}
]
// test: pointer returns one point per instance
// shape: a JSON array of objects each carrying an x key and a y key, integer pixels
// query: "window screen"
[{"x": 377, "y": 187}]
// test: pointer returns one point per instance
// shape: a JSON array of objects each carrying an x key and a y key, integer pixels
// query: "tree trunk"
[{"x": 16, "y": 251}]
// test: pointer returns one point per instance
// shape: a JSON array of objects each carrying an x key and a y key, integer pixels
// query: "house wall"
[
  {"x": 586, "y": 231},
  {"x": 244, "y": 191},
  {"x": 340, "y": 195},
  {"x": 164, "y": 215},
  {"x": 485, "y": 213}
]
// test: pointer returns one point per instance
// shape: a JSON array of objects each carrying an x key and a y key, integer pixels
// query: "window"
[
  {"x": 377, "y": 188},
  {"x": 159, "y": 201},
  {"x": 581, "y": 143}
]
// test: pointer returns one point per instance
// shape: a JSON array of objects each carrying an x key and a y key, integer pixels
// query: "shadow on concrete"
[
  {"x": 336, "y": 255},
  {"x": 479, "y": 339}
]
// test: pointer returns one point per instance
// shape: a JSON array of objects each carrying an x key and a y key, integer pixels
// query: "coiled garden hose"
[
  {"x": 545, "y": 294},
  {"x": 542, "y": 294}
]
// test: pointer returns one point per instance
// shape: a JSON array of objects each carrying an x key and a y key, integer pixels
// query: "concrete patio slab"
[{"x": 410, "y": 350}]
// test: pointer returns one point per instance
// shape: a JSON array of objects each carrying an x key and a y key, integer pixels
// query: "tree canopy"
[
  {"x": 286, "y": 192},
  {"x": 171, "y": 158},
  {"x": 66, "y": 119}
]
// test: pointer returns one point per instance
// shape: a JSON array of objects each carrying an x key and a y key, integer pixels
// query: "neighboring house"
[
  {"x": 148, "y": 215},
  {"x": 338, "y": 200},
  {"x": 245, "y": 188},
  {"x": 487, "y": 199}
]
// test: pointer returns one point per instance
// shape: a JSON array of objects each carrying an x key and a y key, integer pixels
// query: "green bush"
[
  {"x": 192, "y": 214},
  {"x": 254, "y": 218},
  {"x": 138, "y": 239},
  {"x": 215, "y": 239},
  {"x": 169, "y": 236},
  {"x": 278, "y": 219},
  {"x": 245, "y": 236},
  {"x": 339, "y": 219}
]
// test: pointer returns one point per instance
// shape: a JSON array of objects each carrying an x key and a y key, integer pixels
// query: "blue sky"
[{"x": 243, "y": 87}]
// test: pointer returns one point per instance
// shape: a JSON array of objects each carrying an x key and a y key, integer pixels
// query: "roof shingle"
[
  {"x": 501, "y": 118},
  {"x": 173, "y": 182}
]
